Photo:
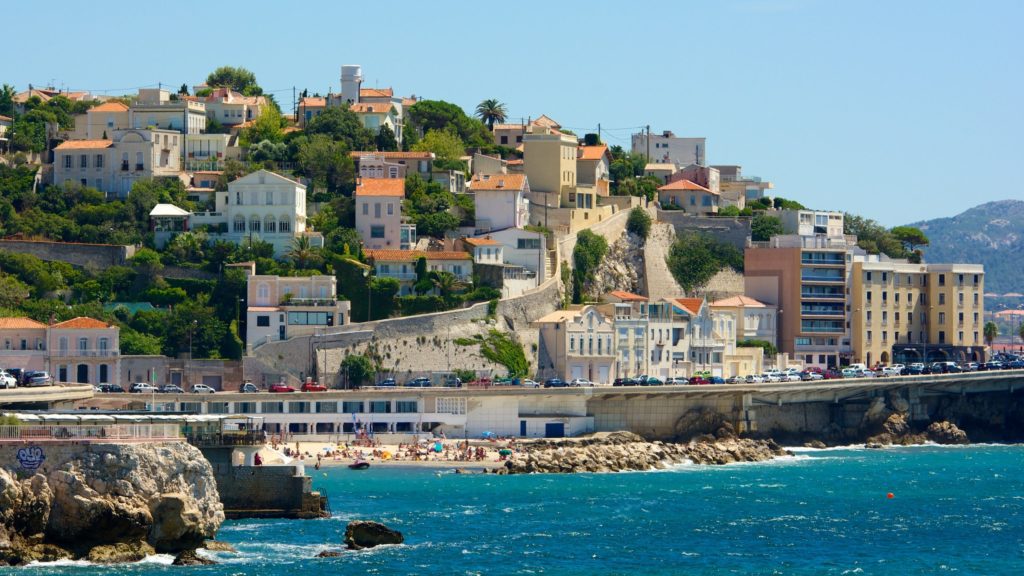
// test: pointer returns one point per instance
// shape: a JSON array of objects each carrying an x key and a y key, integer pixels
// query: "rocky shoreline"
[
  {"x": 105, "y": 503},
  {"x": 626, "y": 451}
]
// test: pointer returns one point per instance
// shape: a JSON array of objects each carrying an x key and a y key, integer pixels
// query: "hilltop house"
[
  {"x": 401, "y": 265},
  {"x": 81, "y": 350},
  {"x": 113, "y": 166},
  {"x": 500, "y": 201},
  {"x": 379, "y": 214}
]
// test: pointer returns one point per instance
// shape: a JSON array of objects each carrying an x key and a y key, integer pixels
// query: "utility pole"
[
  {"x": 648, "y": 142},
  {"x": 598, "y": 131},
  {"x": 295, "y": 106}
]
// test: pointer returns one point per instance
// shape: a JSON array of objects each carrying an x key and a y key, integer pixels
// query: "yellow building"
[
  {"x": 903, "y": 312},
  {"x": 549, "y": 157}
]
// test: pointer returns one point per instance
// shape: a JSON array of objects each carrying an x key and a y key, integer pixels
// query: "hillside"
[{"x": 991, "y": 234}]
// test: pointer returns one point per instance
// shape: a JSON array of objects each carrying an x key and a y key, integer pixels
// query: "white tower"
[{"x": 351, "y": 80}]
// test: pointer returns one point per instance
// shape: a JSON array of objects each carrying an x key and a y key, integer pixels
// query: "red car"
[
  {"x": 698, "y": 380},
  {"x": 313, "y": 387},
  {"x": 280, "y": 388}
]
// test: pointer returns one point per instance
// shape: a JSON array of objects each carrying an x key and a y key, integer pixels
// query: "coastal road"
[{"x": 45, "y": 394}]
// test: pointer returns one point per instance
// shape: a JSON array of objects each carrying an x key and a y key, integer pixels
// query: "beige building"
[
  {"x": 393, "y": 164},
  {"x": 374, "y": 115},
  {"x": 688, "y": 196},
  {"x": 737, "y": 189},
  {"x": 154, "y": 108},
  {"x": 309, "y": 108},
  {"x": 231, "y": 108},
  {"x": 81, "y": 350},
  {"x": 661, "y": 170},
  {"x": 754, "y": 320},
  {"x": 100, "y": 122},
  {"x": 113, "y": 166},
  {"x": 549, "y": 158},
  {"x": 902, "y": 311},
  {"x": 578, "y": 344},
  {"x": 379, "y": 214},
  {"x": 401, "y": 265},
  {"x": 282, "y": 307},
  {"x": 593, "y": 167}
]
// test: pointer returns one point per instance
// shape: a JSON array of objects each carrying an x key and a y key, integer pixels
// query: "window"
[
  {"x": 284, "y": 225},
  {"x": 254, "y": 224},
  {"x": 885, "y": 296},
  {"x": 693, "y": 200},
  {"x": 218, "y": 408},
  {"x": 99, "y": 161},
  {"x": 298, "y": 407},
  {"x": 83, "y": 161},
  {"x": 528, "y": 244},
  {"x": 376, "y": 210},
  {"x": 406, "y": 406},
  {"x": 270, "y": 197},
  {"x": 391, "y": 208},
  {"x": 239, "y": 224},
  {"x": 867, "y": 276},
  {"x": 272, "y": 407},
  {"x": 942, "y": 317},
  {"x": 376, "y": 231},
  {"x": 352, "y": 407},
  {"x": 245, "y": 408},
  {"x": 327, "y": 407},
  {"x": 83, "y": 344},
  {"x": 380, "y": 407},
  {"x": 869, "y": 295},
  {"x": 366, "y": 209},
  {"x": 67, "y": 160},
  {"x": 942, "y": 337},
  {"x": 263, "y": 321},
  {"x": 269, "y": 224},
  {"x": 942, "y": 298},
  {"x": 942, "y": 279},
  {"x": 504, "y": 140}
]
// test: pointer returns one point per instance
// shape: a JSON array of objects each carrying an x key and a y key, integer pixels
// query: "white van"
[{"x": 858, "y": 366}]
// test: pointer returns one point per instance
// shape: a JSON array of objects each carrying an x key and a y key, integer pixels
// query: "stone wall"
[
  {"x": 97, "y": 256},
  {"x": 732, "y": 230},
  {"x": 265, "y": 491},
  {"x": 159, "y": 370}
]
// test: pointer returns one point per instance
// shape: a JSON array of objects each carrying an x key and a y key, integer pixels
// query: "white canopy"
[{"x": 163, "y": 210}]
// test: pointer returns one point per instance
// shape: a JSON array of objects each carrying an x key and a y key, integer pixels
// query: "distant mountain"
[{"x": 991, "y": 234}]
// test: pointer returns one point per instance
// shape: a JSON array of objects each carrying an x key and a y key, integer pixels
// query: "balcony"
[
  {"x": 124, "y": 166},
  {"x": 822, "y": 260},
  {"x": 398, "y": 275},
  {"x": 310, "y": 301},
  {"x": 140, "y": 167},
  {"x": 822, "y": 311},
  {"x": 87, "y": 353},
  {"x": 822, "y": 295},
  {"x": 829, "y": 278}
]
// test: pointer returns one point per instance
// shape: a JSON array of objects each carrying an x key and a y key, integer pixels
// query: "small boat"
[{"x": 359, "y": 465}]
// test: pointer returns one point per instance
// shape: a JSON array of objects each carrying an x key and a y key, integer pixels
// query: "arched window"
[
  {"x": 254, "y": 224},
  {"x": 284, "y": 225},
  {"x": 269, "y": 224},
  {"x": 239, "y": 223}
]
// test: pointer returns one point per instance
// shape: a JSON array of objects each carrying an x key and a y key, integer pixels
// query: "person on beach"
[{"x": 258, "y": 460}]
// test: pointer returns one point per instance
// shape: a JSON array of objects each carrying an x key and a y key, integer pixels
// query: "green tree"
[
  {"x": 357, "y": 369},
  {"x": 910, "y": 236},
  {"x": 327, "y": 163},
  {"x": 13, "y": 292},
  {"x": 386, "y": 141},
  {"x": 342, "y": 125},
  {"x": 586, "y": 256},
  {"x": 445, "y": 144},
  {"x": 491, "y": 112},
  {"x": 135, "y": 343},
  {"x": 183, "y": 91},
  {"x": 238, "y": 79},
  {"x": 729, "y": 211},
  {"x": 695, "y": 258},
  {"x": 447, "y": 284},
  {"x": 428, "y": 115},
  {"x": 303, "y": 254},
  {"x": 267, "y": 126},
  {"x": 769, "y": 349},
  {"x": 591, "y": 139},
  {"x": 763, "y": 227},
  {"x": 639, "y": 222},
  {"x": 7, "y": 93},
  {"x": 194, "y": 322},
  {"x": 991, "y": 332}
]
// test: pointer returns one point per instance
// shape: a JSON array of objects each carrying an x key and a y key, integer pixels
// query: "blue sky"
[{"x": 898, "y": 111}]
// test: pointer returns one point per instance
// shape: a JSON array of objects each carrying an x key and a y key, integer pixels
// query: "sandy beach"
[{"x": 482, "y": 454}]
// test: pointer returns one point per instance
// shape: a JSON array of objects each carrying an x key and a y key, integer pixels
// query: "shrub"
[{"x": 639, "y": 222}]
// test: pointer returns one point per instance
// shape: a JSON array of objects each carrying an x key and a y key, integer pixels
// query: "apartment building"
[
  {"x": 578, "y": 344},
  {"x": 154, "y": 108},
  {"x": 500, "y": 201},
  {"x": 81, "y": 350},
  {"x": 113, "y": 166},
  {"x": 904, "y": 312},
  {"x": 379, "y": 214},
  {"x": 283, "y": 307},
  {"x": 754, "y": 320},
  {"x": 231, "y": 108},
  {"x": 401, "y": 265},
  {"x": 549, "y": 158},
  {"x": 667, "y": 148},
  {"x": 737, "y": 189}
]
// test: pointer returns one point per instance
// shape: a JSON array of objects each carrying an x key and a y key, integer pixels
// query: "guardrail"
[{"x": 90, "y": 433}]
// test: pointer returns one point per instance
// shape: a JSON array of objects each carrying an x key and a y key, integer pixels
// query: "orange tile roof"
[
  {"x": 739, "y": 301},
  {"x": 413, "y": 255},
  {"x": 408, "y": 102},
  {"x": 544, "y": 120},
  {"x": 684, "y": 185},
  {"x": 109, "y": 107},
  {"x": 381, "y": 187},
  {"x": 517, "y": 162},
  {"x": 592, "y": 152},
  {"x": 395, "y": 155},
  {"x": 497, "y": 182},
  {"x": 488, "y": 241},
  {"x": 376, "y": 92},
  {"x": 84, "y": 144},
  {"x": 82, "y": 322},
  {"x": 372, "y": 107},
  {"x": 313, "y": 102},
  {"x": 19, "y": 323},
  {"x": 627, "y": 296},
  {"x": 691, "y": 305}
]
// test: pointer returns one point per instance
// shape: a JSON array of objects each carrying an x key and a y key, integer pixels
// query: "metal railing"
[
  {"x": 97, "y": 433},
  {"x": 87, "y": 353}
]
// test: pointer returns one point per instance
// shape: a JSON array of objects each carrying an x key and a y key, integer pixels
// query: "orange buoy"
[{"x": 890, "y": 495}]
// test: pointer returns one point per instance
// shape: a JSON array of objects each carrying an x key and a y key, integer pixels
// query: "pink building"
[{"x": 82, "y": 350}]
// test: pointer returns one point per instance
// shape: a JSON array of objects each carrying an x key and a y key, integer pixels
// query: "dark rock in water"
[
  {"x": 815, "y": 444},
  {"x": 21, "y": 552},
  {"x": 946, "y": 433},
  {"x": 190, "y": 558},
  {"x": 329, "y": 554},
  {"x": 119, "y": 553},
  {"x": 218, "y": 546},
  {"x": 361, "y": 534},
  {"x": 873, "y": 445}
]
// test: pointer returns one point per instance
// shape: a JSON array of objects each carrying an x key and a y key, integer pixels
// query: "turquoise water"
[{"x": 956, "y": 510}]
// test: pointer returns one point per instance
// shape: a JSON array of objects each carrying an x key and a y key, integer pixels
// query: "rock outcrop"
[
  {"x": 622, "y": 451},
  {"x": 361, "y": 534},
  {"x": 190, "y": 558},
  {"x": 618, "y": 270},
  {"x": 107, "y": 502},
  {"x": 946, "y": 433}
]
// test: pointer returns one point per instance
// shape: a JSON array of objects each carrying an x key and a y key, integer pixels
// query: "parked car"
[
  {"x": 456, "y": 382},
  {"x": 111, "y": 389},
  {"x": 310, "y": 386},
  {"x": 1015, "y": 364},
  {"x": 952, "y": 368},
  {"x": 772, "y": 377},
  {"x": 421, "y": 382},
  {"x": 716, "y": 380},
  {"x": 754, "y": 379},
  {"x": 7, "y": 380},
  {"x": 672, "y": 381},
  {"x": 555, "y": 383},
  {"x": 652, "y": 381},
  {"x": 832, "y": 374},
  {"x": 580, "y": 383},
  {"x": 38, "y": 378},
  {"x": 890, "y": 371},
  {"x": 625, "y": 382},
  {"x": 280, "y": 387},
  {"x": 142, "y": 388},
  {"x": 808, "y": 376},
  {"x": 387, "y": 383},
  {"x": 734, "y": 380},
  {"x": 698, "y": 381},
  {"x": 528, "y": 383},
  {"x": 851, "y": 373},
  {"x": 170, "y": 389},
  {"x": 248, "y": 388},
  {"x": 202, "y": 389},
  {"x": 19, "y": 375}
]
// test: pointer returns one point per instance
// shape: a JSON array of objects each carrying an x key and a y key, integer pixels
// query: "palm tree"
[
  {"x": 991, "y": 331},
  {"x": 446, "y": 284},
  {"x": 303, "y": 254},
  {"x": 491, "y": 111}
]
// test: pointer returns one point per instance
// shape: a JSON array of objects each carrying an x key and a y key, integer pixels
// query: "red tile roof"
[
  {"x": 381, "y": 187},
  {"x": 109, "y": 107},
  {"x": 313, "y": 102},
  {"x": 413, "y": 255},
  {"x": 497, "y": 182},
  {"x": 376, "y": 93},
  {"x": 19, "y": 323},
  {"x": 684, "y": 185},
  {"x": 82, "y": 322},
  {"x": 739, "y": 301},
  {"x": 627, "y": 296},
  {"x": 691, "y": 305},
  {"x": 84, "y": 144},
  {"x": 372, "y": 107},
  {"x": 481, "y": 241},
  {"x": 592, "y": 152}
]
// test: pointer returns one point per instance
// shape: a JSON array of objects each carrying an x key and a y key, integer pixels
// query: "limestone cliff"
[{"x": 91, "y": 501}]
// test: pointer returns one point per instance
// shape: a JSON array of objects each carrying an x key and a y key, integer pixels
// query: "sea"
[{"x": 915, "y": 510}]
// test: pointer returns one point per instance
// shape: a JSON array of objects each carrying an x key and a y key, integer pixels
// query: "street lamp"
[
  {"x": 369, "y": 294},
  {"x": 191, "y": 330}
]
